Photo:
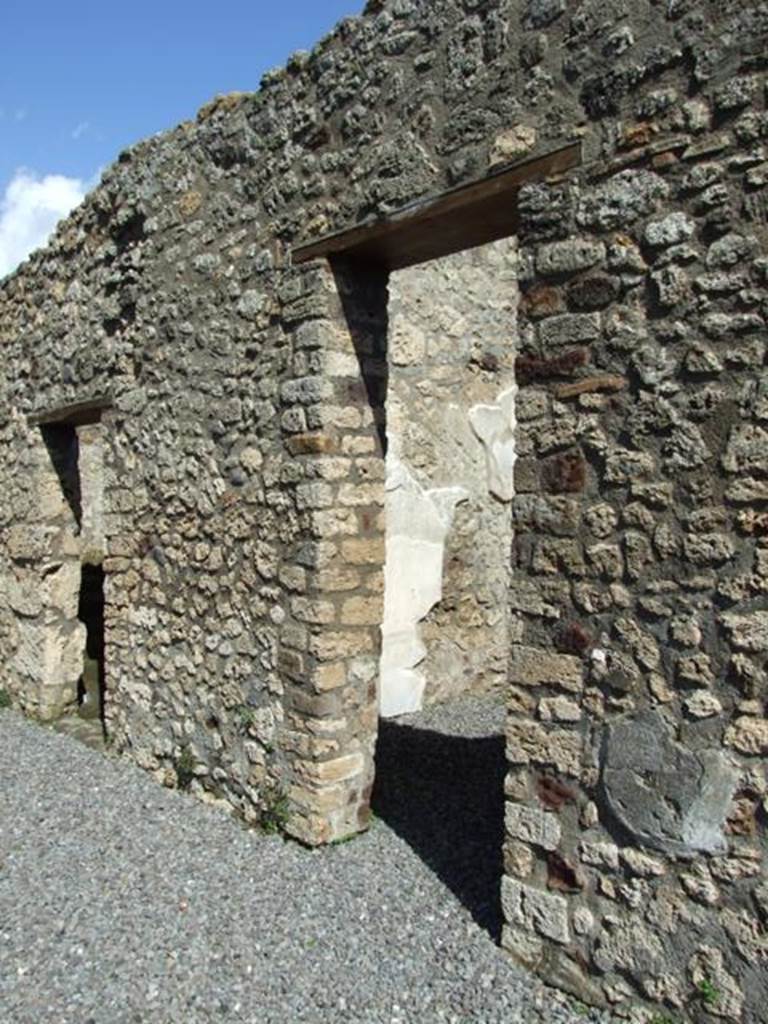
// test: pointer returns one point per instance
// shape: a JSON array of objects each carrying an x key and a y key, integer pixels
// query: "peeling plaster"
[
  {"x": 418, "y": 522},
  {"x": 494, "y": 426}
]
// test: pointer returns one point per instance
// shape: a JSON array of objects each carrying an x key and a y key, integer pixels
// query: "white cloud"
[
  {"x": 30, "y": 209},
  {"x": 79, "y": 130}
]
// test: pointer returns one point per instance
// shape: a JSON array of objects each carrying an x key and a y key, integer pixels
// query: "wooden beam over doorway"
[
  {"x": 471, "y": 215},
  {"x": 75, "y": 415}
]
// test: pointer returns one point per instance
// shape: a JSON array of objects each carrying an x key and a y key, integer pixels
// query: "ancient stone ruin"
[{"x": 457, "y": 328}]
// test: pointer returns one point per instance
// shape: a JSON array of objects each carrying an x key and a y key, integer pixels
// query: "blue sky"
[{"x": 80, "y": 82}]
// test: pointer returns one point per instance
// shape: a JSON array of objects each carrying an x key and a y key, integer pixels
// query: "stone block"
[
  {"x": 337, "y": 579},
  {"x": 362, "y": 611},
  {"x": 361, "y": 494},
  {"x": 559, "y": 709},
  {"x": 626, "y": 466},
  {"x": 519, "y": 858},
  {"x": 748, "y": 735},
  {"x": 546, "y": 514},
  {"x": 747, "y": 631},
  {"x": 747, "y": 450},
  {"x": 323, "y": 705},
  {"x": 569, "y": 329},
  {"x": 306, "y": 391},
  {"x": 314, "y": 496},
  {"x": 311, "y": 444},
  {"x": 621, "y": 200},
  {"x": 597, "y": 291},
  {"x": 512, "y": 144},
  {"x": 323, "y": 801},
  {"x": 565, "y": 473},
  {"x": 327, "y": 773},
  {"x": 24, "y": 594},
  {"x": 541, "y": 300},
  {"x": 673, "y": 229},
  {"x": 331, "y": 645},
  {"x": 533, "y": 826},
  {"x": 313, "y": 610},
  {"x": 363, "y": 551},
  {"x": 329, "y": 676},
  {"x": 543, "y": 913},
  {"x": 529, "y": 742},
  {"x": 524, "y": 947},
  {"x": 599, "y": 854},
  {"x": 532, "y": 666},
  {"x": 568, "y": 256}
]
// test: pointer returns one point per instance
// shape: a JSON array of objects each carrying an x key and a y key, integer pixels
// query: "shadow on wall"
[
  {"x": 444, "y": 795},
  {"x": 61, "y": 441},
  {"x": 363, "y": 293}
]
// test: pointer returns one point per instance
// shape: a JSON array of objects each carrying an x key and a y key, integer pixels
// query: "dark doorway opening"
[
  {"x": 92, "y": 686},
  {"x": 443, "y": 794}
]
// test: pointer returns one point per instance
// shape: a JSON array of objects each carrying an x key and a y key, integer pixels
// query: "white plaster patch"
[
  {"x": 495, "y": 428},
  {"x": 418, "y": 522}
]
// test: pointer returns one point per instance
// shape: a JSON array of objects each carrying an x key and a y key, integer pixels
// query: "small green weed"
[
  {"x": 274, "y": 813},
  {"x": 663, "y": 1019},
  {"x": 245, "y": 716},
  {"x": 710, "y": 993},
  {"x": 185, "y": 768},
  {"x": 5, "y": 699},
  {"x": 579, "y": 1008}
]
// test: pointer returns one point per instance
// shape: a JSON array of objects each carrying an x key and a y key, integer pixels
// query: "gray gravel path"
[{"x": 123, "y": 903}]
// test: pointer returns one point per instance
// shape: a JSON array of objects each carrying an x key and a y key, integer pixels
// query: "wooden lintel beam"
[
  {"x": 76, "y": 414},
  {"x": 469, "y": 215}
]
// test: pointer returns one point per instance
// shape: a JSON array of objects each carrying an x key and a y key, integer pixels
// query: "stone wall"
[
  {"x": 451, "y": 351},
  {"x": 54, "y": 525},
  {"x": 243, "y": 456},
  {"x": 638, "y": 734}
]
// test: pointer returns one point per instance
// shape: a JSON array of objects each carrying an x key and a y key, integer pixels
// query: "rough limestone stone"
[
  {"x": 536, "y": 911},
  {"x": 703, "y": 705},
  {"x": 748, "y": 632},
  {"x": 532, "y": 826},
  {"x": 670, "y": 230},
  {"x": 707, "y": 968},
  {"x": 568, "y": 256},
  {"x": 622, "y": 200},
  {"x": 632, "y": 948},
  {"x": 533, "y": 667},
  {"x": 569, "y": 329},
  {"x": 512, "y": 144},
  {"x": 531, "y": 743},
  {"x": 747, "y": 450},
  {"x": 748, "y": 735}
]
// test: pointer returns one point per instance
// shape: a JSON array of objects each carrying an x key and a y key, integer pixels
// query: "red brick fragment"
[{"x": 533, "y": 368}]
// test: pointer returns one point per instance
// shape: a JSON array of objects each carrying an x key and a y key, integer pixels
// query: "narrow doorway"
[
  {"x": 424, "y": 670},
  {"x": 449, "y": 464},
  {"x": 70, "y": 487},
  {"x": 440, "y": 760},
  {"x": 90, "y": 612}
]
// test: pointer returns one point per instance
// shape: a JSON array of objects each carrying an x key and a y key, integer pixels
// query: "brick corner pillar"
[{"x": 333, "y": 424}]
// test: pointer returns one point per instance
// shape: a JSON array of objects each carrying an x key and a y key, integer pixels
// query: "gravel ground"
[{"x": 124, "y": 903}]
